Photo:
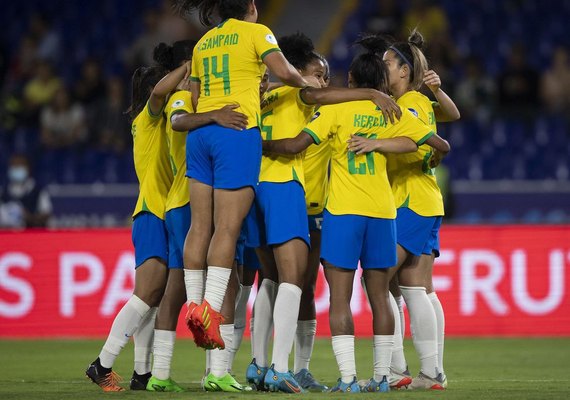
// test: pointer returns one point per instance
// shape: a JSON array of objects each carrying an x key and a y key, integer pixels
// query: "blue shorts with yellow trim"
[
  {"x": 278, "y": 215},
  {"x": 316, "y": 222},
  {"x": 347, "y": 239},
  {"x": 177, "y": 226},
  {"x": 149, "y": 238},
  {"x": 418, "y": 235},
  {"x": 224, "y": 158}
]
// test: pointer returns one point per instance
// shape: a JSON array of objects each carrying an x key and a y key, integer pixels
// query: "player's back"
[
  {"x": 152, "y": 166},
  {"x": 227, "y": 62}
]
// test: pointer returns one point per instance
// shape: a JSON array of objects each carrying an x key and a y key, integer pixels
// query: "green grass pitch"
[{"x": 476, "y": 368}]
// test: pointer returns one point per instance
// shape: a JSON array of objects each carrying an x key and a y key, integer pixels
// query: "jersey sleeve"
[
  {"x": 264, "y": 41},
  {"x": 180, "y": 101},
  {"x": 322, "y": 124},
  {"x": 412, "y": 127}
]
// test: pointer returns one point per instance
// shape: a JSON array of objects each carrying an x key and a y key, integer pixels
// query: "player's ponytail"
[
  {"x": 298, "y": 49},
  {"x": 368, "y": 69},
  {"x": 143, "y": 81},
  {"x": 207, "y": 9},
  {"x": 410, "y": 53}
]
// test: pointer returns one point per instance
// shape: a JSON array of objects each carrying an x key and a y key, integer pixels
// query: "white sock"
[
  {"x": 304, "y": 342},
  {"x": 251, "y": 337},
  {"x": 343, "y": 348},
  {"x": 382, "y": 355},
  {"x": 400, "y": 303},
  {"x": 440, "y": 317},
  {"x": 219, "y": 358},
  {"x": 264, "y": 304},
  {"x": 216, "y": 285},
  {"x": 239, "y": 322},
  {"x": 124, "y": 326},
  {"x": 162, "y": 354},
  {"x": 424, "y": 328},
  {"x": 398, "y": 362},
  {"x": 194, "y": 281},
  {"x": 285, "y": 316},
  {"x": 143, "y": 338},
  {"x": 208, "y": 361}
]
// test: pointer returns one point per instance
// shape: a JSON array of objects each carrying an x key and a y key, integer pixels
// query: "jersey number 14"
[{"x": 212, "y": 68}]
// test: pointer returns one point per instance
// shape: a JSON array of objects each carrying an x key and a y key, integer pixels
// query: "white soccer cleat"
[
  {"x": 399, "y": 380},
  {"x": 424, "y": 382}
]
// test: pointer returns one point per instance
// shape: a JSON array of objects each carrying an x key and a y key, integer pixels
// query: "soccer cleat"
[
  {"x": 167, "y": 385},
  {"x": 139, "y": 382},
  {"x": 104, "y": 377},
  {"x": 308, "y": 381},
  {"x": 424, "y": 382},
  {"x": 226, "y": 383},
  {"x": 399, "y": 380},
  {"x": 373, "y": 386},
  {"x": 443, "y": 378},
  {"x": 204, "y": 322},
  {"x": 281, "y": 382},
  {"x": 255, "y": 375},
  {"x": 342, "y": 387}
]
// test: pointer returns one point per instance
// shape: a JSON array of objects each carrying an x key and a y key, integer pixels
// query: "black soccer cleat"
[{"x": 139, "y": 382}]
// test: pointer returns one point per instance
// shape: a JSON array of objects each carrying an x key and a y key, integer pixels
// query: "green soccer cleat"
[
  {"x": 168, "y": 385},
  {"x": 226, "y": 383}
]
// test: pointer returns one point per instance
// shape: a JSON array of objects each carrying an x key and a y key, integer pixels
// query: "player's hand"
[
  {"x": 188, "y": 65},
  {"x": 312, "y": 81},
  {"x": 435, "y": 158},
  {"x": 432, "y": 80},
  {"x": 388, "y": 106},
  {"x": 361, "y": 145},
  {"x": 229, "y": 118}
]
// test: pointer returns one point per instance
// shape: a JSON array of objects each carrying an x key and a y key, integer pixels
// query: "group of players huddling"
[{"x": 282, "y": 177}]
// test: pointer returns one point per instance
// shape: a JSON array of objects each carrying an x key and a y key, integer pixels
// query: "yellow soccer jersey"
[
  {"x": 359, "y": 183},
  {"x": 152, "y": 163},
  {"x": 316, "y": 167},
  {"x": 413, "y": 181},
  {"x": 283, "y": 116},
  {"x": 178, "y": 195},
  {"x": 227, "y": 62}
]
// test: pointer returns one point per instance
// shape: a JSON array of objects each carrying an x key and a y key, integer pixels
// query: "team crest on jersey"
[
  {"x": 413, "y": 112},
  {"x": 178, "y": 104},
  {"x": 315, "y": 116},
  {"x": 271, "y": 39}
]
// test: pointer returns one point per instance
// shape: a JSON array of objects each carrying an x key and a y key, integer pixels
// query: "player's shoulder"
[
  {"x": 179, "y": 99},
  {"x": 414, "y": 99}
]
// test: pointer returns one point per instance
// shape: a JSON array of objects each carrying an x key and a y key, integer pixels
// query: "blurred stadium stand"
[{"x": 507, "y": 164}]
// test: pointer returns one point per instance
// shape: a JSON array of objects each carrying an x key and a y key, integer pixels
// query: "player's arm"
[
  {"x": 397, "y": 145},
  {"x": 288, "y": 146},
  {"x": 283, "y": 70},
  {"x": 226, "y": 117},
  {"x": 195, "y": 90},
  {"x": 162, "y": 89},
  {"x": 445, "y": 110},
  {"x": 333, "y": 95}
]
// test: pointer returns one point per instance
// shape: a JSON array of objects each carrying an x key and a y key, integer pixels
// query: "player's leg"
[
  {"x": 341, "y": 245},
  {"x": 149, "y": 238},
  {"x": 307, "y": 323}
]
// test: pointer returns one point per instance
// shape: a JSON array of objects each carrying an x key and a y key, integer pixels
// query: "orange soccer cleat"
[
  {"x": 204, "y": 322},
  {"x": 104, "y": 377}
]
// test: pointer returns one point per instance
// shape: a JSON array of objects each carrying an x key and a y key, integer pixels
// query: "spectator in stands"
[
  {"x": 62, "y": 122},
  {"x": 90, "y": 88},
  {"x": 23, "y": 62},
  {"x": 140, "y": 53},
  {"x": 110, "y": 127},
  {"x": 475, "y": 94},
  {"x": 555, "y": 83},
  {"x": 49, "y": 42},
  {"x": 518, "y": 84},
  {"x": 429, "y": 16},
  {"x": 23, "y": 204},
  {"x": 39, "y": 91},
  {"x": 387, "y": 20}
]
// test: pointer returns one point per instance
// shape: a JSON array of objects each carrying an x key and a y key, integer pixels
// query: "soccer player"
[
  {"x": 277, "y": 225},
  {"x": 155, "y": 178},
  {"x": 420, "y": 212},
  {"x": 223, "y": 164},
  {"x": 359, "y": 218},
  {"x": 180, "y": 118}
]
